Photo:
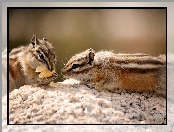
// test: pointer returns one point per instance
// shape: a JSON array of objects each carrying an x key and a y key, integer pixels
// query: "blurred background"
[{"x": 74, "y": 30}]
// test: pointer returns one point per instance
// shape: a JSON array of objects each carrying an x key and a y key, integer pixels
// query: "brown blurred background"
[{"x": 74, "y": 30}]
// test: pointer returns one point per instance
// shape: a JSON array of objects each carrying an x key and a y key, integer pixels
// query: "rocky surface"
[{"x": 77, "y": 104}]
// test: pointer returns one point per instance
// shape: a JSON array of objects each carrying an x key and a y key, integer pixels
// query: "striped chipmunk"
[
  {"x": 106, "y": 70},
  {"x": 24, "y": 60}
]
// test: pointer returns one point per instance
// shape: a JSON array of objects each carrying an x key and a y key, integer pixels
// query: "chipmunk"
[
  {"x": 24, "y": 60},
  {"x": 106, "y": 70}
]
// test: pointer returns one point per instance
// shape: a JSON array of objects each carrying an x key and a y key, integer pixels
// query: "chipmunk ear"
[
  {"x": 45, "y": 39},
  {"x": 34, "y": 41},
  {"x": 91, "y": 56}
]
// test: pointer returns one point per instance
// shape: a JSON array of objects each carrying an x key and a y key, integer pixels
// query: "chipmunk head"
[
  {"x": 43, "y": 52},
  {"x": 80, "y": 63}
]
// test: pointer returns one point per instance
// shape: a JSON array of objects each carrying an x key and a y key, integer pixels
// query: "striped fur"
[{"x": 107, "y": 70}]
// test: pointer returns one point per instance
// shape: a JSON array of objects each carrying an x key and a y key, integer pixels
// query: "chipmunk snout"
[{"x": 63, "y": 71}]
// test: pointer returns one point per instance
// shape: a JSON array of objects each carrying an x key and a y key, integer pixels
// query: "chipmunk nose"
[{"x": 64, "y": 71}]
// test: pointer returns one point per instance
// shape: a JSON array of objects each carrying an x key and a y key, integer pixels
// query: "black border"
[
  {"x": 85, "y": 8},
  {"x": 8, "y": 8},
  {"x": 8, "y": 66},
  {"x": 166, "y": 65}
]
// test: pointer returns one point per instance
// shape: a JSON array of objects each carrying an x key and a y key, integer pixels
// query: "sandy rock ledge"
[{"x": 71, "y": 103}]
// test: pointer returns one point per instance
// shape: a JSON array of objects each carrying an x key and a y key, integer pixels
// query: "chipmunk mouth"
[{"x": 66, "y": 76}]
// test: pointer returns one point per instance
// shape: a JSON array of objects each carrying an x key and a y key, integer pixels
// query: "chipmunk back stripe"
[
  {"x": 132, "y": 55},
  {"x": 140, "y": 69},
  {"x": 135, "y": 60}
]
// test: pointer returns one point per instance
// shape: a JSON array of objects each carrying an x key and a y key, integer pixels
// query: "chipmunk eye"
[
  {"x": 41, "y": 55},
  {"x": 75, "y": 66}
]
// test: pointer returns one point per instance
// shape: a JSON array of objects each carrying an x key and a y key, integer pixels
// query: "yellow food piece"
[
  {"x": 44, "y": 72},
  {"x": 52, "y": 84}
]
